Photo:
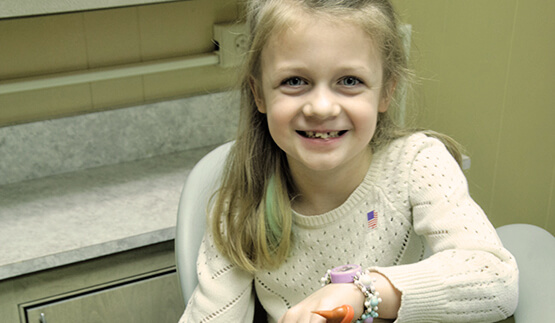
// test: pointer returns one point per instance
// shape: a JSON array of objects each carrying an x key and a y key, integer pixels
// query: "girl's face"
[{"x": 320, "y": 88}]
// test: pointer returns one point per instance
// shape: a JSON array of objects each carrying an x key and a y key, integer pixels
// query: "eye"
[
  {"x": 294, "y": 82},
  {"x": 350, "y": 81}
]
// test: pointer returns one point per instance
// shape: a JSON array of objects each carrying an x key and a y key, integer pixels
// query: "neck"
[{"x": 323, "y": 191}]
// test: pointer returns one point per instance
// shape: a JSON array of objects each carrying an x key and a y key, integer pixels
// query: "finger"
[
  {"x": 291, "y": 316},
  {"x": 314, "y": 318}
]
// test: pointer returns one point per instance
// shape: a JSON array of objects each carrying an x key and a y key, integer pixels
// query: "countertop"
[{"x": 67, "y": 218}]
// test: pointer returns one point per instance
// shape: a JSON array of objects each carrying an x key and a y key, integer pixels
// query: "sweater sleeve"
[
  {"x": 224, "y": 292},
  {"x": 470, "y": 277}
]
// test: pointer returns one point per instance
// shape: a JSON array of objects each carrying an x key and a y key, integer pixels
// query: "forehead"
[
  {"x": 321, "y": 36},
  {"x": 298, "y": 16}
]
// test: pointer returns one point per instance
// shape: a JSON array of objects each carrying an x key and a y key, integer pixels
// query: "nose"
[{"x": 322, "y": 104}]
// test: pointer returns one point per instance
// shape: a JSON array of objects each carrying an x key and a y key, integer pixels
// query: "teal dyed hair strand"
[{"x": 273, "y": 226}]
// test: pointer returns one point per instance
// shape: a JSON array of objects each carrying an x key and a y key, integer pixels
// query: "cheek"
[
  {"x": 280, "y": 113},
  {"x": 369, "y": 129},
  {"x": 366, "y": 113},
  {"x": 365, "y": 120},
  {"x": 278, "y": 122}
]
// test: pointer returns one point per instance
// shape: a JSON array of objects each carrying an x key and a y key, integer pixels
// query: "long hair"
[{"x": 251, "y": 215}]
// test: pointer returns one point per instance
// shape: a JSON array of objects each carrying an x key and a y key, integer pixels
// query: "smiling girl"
[{"x": 319, "y": 177}]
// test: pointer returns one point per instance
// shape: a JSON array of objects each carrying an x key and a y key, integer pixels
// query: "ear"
[
  {"x": 257, "y": 94},
  {"x": 387, "y": 95}
]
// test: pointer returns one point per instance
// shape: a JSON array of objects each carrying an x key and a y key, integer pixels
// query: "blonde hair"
[{"x": 251, "y": 215}]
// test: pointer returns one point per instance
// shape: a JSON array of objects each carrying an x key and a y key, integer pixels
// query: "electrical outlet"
[{"x": 231, "y": 41}]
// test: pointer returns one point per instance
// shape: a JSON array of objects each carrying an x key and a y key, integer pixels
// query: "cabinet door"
[{"x": 155, "y": 299}]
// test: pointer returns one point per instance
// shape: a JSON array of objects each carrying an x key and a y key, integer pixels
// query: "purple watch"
[{"x": 344, "y": 274}]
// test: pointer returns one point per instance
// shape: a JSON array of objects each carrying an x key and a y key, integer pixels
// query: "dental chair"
[
  {"x": 191, "y": 215},
  {"x": 202, "y": 182},
  {"x": 534, "y": 250}
]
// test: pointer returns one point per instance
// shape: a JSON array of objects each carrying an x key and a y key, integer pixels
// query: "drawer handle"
[{"x": 42, "y": 318}]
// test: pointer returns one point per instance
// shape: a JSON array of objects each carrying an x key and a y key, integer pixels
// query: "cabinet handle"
[{"x": 42, "y": 318}]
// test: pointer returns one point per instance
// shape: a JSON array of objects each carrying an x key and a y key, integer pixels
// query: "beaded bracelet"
[{"x": 365, "y": 283}]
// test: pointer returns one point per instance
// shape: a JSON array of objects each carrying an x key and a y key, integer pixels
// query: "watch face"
[
  {"x": 344, "y": 274},
  {"x": 345, "y": 268}
]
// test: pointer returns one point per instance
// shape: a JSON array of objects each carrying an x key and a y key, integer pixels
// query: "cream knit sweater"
[{"x": 418, "y": 195}]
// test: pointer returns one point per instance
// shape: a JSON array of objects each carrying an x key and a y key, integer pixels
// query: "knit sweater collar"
[{"x": 360, "y": 193}]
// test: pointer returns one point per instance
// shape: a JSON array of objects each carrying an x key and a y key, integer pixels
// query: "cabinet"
[
  {"x": 135, "y": 286},
  {"x": 142, "y": 301}
]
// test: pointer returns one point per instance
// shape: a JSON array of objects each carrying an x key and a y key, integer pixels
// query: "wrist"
[
  {"x": 365, "y": 282},
  {"x": 361, "y": 280},
  {"x": 391, "y": 296}
]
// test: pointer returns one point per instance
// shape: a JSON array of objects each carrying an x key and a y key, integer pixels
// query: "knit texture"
[{"x": 414, "y": 194}]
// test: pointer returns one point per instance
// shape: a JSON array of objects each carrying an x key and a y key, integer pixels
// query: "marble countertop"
[{"x": 67, "y": 218}]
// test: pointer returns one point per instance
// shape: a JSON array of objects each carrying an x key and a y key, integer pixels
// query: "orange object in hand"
[{"x": 341, "y": 314}]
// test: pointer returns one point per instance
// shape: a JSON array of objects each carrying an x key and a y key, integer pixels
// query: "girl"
[{"x": 320, "y": 177}]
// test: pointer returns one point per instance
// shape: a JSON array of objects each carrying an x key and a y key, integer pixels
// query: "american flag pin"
[{"x": 372, "y": 217}]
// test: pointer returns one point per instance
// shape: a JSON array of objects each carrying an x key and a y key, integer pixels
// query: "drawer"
[{"x": 150, "y": 299}]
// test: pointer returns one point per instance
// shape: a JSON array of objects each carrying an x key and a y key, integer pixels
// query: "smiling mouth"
[{"x": 322, "y": 135}]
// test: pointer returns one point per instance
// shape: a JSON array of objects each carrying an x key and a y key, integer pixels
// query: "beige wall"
[
  {"x": 488, "y": 77},
  {"x": 49, "y": 44},
  {"x": 487, "y": 68}
]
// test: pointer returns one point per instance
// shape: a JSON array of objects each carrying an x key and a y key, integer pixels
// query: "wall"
[
  {"x": 43, "y": 45},
  {"x": 487, "y": 72},
  {"x": 19, "y": 8}
]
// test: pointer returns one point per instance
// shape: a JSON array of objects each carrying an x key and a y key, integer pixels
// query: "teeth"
[{"x": 323, "y": 135}]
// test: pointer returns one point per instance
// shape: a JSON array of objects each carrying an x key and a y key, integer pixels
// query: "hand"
[{"x": 326, "y": 298}]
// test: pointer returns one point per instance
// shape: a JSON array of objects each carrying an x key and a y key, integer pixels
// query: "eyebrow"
[{"x": 288, "y": 68}]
